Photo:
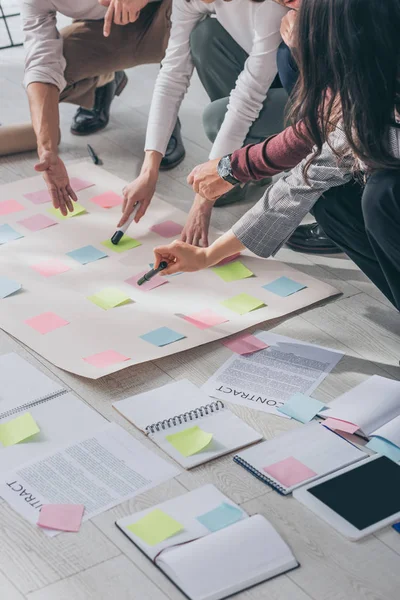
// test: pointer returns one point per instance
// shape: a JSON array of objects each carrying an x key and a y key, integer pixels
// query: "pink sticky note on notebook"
[
  {"x": 10, "y": 206},
  {"x": 37, "y": 222},
  {"x": 338, "y": 425},
  {"x": 205, "y": 318},
  {"x": 289, "y": 472},
  {"x": 107, "y": 200},
  {"x": 46, "y": 322},
  {"x": 167, "y": 229},
  {"x": 227, "y": 260},
  {"x": 244, "y": 344},
  {"x": 78, "y": 184},
  {"x": 39, "y": 197},
  {"x": 63, "y": 517},
  {"x": 154, "y": 282},
  {"x": 51, "y": 267},
  {"x": 105, "y": 359}
]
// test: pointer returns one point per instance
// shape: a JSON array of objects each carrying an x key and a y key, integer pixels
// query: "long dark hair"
[{"x": 348, "y": 52}]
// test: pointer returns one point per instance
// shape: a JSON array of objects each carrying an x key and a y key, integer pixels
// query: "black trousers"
[{"x": 365, "y": 223}]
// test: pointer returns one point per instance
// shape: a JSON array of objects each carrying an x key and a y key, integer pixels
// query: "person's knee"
[
  {"x": 203, "y": 39},
  {"x": 381, "y": 201},
  {"x": 287, "y": 68},
  {"x": 213, "y": 117}
]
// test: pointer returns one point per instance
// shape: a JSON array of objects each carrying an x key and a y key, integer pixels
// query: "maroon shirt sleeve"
[{"x": 276, "y": 154}]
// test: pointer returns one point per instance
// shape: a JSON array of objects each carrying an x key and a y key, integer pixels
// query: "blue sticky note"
[
  {"x": 162, "y": 336},
  {"x": 87, "y": 254},
  {"x": 284, "y": 287},
  {"x": 302, "y": 407},
  {"x": 396, "y": 526},
  {"x": 8, "y": 287},
  {"x": 8, "y": 234},
  {"x": 381, "y": 446},
  {"x": 224, "y": 515}
]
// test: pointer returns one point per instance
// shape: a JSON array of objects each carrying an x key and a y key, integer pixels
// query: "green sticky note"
[
  {"x": 243, "y": 303},
  {"x": 125, "y": 244},
  {"x": 18, "y": 430},
  {"x": 109, "y": 298},
  {"x": 233, "y": 271},
  {"x": 190, "y": 441},
  {"x": 155, "y": 527},
  {"x": 78, "y": 210}
]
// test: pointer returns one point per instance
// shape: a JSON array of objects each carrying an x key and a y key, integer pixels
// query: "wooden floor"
[{"x": 99, "y": 562}]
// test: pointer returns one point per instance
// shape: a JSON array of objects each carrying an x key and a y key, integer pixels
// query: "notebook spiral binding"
[
  {"x": 264, "y": 478},
  {"x": 197, "y": 413},
  {"x": 13, "y": 411}
]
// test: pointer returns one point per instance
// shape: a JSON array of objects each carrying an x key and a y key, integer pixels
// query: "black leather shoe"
[
  {"x": 87, "y": 121},
  {"x": 175, "y": 152},
  {"x": 311, "y": 239}
]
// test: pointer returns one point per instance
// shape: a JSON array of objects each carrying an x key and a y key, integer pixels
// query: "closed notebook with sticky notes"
[
  {"x": 297, "y": 457},
  {"x": 179, "y": 418},
  {"x": 207, "y": 545}
]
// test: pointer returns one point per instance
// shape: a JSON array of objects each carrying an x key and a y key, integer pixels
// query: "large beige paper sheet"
[{"x": 91, "y": 329}]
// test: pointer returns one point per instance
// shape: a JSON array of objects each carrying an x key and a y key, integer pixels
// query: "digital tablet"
[{"x": 357, "y": 500}]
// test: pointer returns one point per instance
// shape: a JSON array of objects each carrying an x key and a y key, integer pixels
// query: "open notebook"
[
  {"x": 211, "y": 547},
  {"x": 178, "y": 417},
  {"x": 298, "y": 457},
  {"x": 374, "y": 406}
]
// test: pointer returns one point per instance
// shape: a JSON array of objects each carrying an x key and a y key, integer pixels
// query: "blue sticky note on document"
[
  {"x": 87, "y": 254},
  {"x": 302, "y": 407},
  {"x": 8, "y": 234},
  {"x": 396, "y": 527},
  {"x": 162, "y": 336},
  {"x": 8, "y": 287},
  {"x": 284, "y": 286},
  {"x": 381, "y": 446},
  {"x": 224, "y": 515}
]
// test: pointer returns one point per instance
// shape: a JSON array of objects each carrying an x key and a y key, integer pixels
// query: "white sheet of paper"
[
  {"x": 100, "y": 472},
  {"x": 266, "y": 379},
  {"x": 92, "y": 330}
]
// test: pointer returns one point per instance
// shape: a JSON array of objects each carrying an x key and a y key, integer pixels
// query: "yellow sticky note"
[
  {"x": 109, "y": 298},
  {"x": 17, "y": 430},
  {"x": 243, "y": 303},
  {"x": 125, "y": 244},
  {"x": 155, "y": 527},
  {"x": 78, "y": 210},
  {"x": 190, "y": 441},
  {"x": 233, "y": 271}
]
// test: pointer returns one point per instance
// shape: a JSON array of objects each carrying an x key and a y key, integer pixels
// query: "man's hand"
[
  {"x": 287, "y": 28},
  {"x": 180, "y": 257},
  {"x": 141, "y": 191},
  {"x": 57, "y": 180},
  {"x": 205, "y": 181},
  {"x": 121, "y": 12},
  {"x": 196, "y": 228}
]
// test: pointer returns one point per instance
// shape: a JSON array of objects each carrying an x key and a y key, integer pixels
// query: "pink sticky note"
[
  {"x": 37, "y": 222},
  {"x": 337, "y": 424},
  {"x": 51, "y": 267},
  {"x": 10, "y": 206},
  {"x": 289, "y": 471},
  {"x": 167, "y": 229},
  {"x": 107, "y": 200},
  {"x": 244, "y": 344},
  {"x": 39, "y": 197},
  {"x": 78, "y": 184},
  {"x": 105, "y": 359},
  {"x": 228, "y": 259},
  {"x": 46, "y": 322},
  {"x": 63, "y": 517},
  {"x": 154, "y": 282},
  {"x": 205, "y": 318}
]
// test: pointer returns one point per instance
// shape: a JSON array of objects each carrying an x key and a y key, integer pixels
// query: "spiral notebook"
[
  {"x": 298, "y": 457},
  {"x": 207, "y": 545},
  {"x": 181, "y": 408}
]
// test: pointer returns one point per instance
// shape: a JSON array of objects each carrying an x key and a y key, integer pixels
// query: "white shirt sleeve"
[
  {"x": 44, "y": 61},
  {"x": 174, "y": 77}
]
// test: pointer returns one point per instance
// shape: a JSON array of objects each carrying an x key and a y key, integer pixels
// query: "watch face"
[{"x": 225, "y": 167}]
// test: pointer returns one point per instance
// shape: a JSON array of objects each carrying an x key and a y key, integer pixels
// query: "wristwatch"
[{"x": 224, "y": 170}]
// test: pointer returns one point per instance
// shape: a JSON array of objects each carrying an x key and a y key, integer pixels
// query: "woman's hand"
[
  {"x": 196, "y": 228},
  {"x": 287, "y": 28},
  {"x": 140, "y": 191},
  {"x": 57, "y": 181},
  {"x": 180, "y": 257},
  {"x": 205, "y": 181}
]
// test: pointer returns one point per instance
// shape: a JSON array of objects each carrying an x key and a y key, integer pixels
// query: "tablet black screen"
[{"x": 365, "y": 495}]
